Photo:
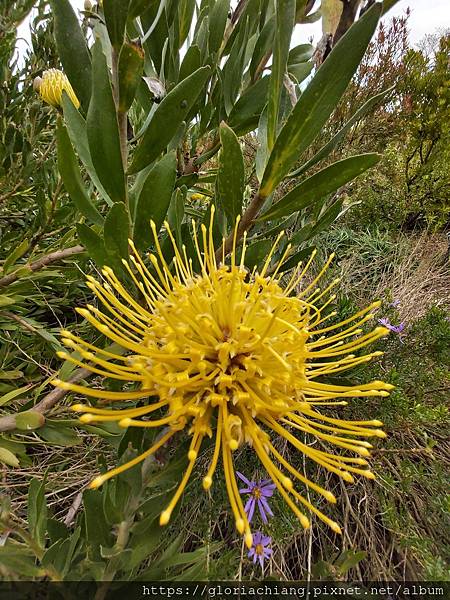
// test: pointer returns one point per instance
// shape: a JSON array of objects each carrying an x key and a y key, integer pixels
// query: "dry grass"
[{"x": 412, "y": 270}]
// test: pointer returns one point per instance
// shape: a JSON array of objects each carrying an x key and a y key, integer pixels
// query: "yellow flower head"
[
  {"x": 232, "y": 355},
  {"x": 51, "y": 86}
]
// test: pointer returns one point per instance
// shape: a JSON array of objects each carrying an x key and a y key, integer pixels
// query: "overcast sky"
[{"x": 426, "y": 17}]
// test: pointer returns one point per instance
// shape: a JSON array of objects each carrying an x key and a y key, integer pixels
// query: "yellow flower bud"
[{"x": 51, "y": 86}]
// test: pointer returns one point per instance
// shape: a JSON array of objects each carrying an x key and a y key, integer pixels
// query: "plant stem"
[{"x": 43, "y": 262}]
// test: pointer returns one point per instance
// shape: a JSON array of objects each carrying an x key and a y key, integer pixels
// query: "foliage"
[{"x": 116, "y": 536}]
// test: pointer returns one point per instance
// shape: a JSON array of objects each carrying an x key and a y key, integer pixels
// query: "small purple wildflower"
[
  {"x": 394, "y": 303},
  {"x": 259, "y": 492},
  {"x": 395, "y": 328},
  {"x": 260, "y": 550}
]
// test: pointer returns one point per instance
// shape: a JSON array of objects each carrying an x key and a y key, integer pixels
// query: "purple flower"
[
  {"x": 259, "y": 492},
  {"x": 259, "y": 550},
  {"x": 394, "y": 303},
  {"x": 395, "y": 328}
]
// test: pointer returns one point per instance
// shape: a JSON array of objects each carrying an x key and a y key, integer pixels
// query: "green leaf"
[
  {"x": 72, "y": 49},
  {"x": 217, "y": 22},
  {"x": 186, "y": 10},
  {"x": 245, "y": 114},
  {"x": 191, "y": 62},
  {"x": 285, "y": 15},
  {"x": 300, "y": 54},
  {"x": 293, "y": 260},
  {"x": 56, "y": 530},
  {"x": 300, "y": 71},
  {"x": 154, "y": 199},
  {"x": 14, "y": 394},
  {"x": 59, "y": 435},
  {"x": 29, "y": 420},
  {"x": 175, "y": 214},
  {"x": 233, "y": 69},
  {"x": 319, "y": 99},
  {"x": 37, "y": 511},
  {"x": 20, "y": 560},
  {"x": 321, "y": 184},
  {"x": 116, "y": 232},
  {"x": 350, "y": 559},
  {"x": 97, "y": 529},
  {"x": 6, "y": 300},
  {"x": 329, "y": 146},
  {"x": 168, "y": 117},
  {"x": 103, "y": 130},
  {"x": 8, "y": 458},
  {"x": 328, "y": 217},
  {"x": 256, "y": 252},
  {"x": 131, "y": 64},
  {"x": 71, "y": 176},
  {"x": 231, "y": 175},
  {"x": 262, "y": 152},
  {"x": 116, "y": 12},
  {"x": 94, "y": 244},
  {"x": 263, "y": 47},
  {"x": 14, "y": 256},
  {"x": 76, "y": 127}
]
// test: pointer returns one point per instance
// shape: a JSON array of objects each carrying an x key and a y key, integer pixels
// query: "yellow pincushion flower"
[
  {"x": 231, "y": 355},
  {"x": 51, "y": 86}
]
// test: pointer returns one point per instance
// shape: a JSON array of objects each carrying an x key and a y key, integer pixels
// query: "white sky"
[{"x": 426, "y": 17}]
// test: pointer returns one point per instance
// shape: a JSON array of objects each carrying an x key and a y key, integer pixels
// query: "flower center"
[
  {"x": 259, "y": 549},
  {"x": 256, "y": 492}
]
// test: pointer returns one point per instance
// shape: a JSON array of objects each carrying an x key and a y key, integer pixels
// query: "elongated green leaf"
[
  {"x": 61, "y": 436},
  {"x": 71, "y": 176},
  {"x": 263, "y": 47},
  {"x": 76, "y": 127},
  {"x": 116, "y": 12},
  {"x": 14, "y": 256},
  {"x": 117, "y": 231},
  {"x": 186, "y": 10},
  {"x": 256, "y": 253},
  {"x": 217, "y": 22},
  {"x": 321, "y": 184},
  {"x": 262, "y": 152},
  {"x": 72, "y": 49},
  {"x": 154, "y": 200},
  {"x": 97, "y": 530},
  {"x": 103, "y": 130},
  {"x": 329, "y": 146},
  {"x": 191, "y": 62},
  {"x": 37, "y": 511},
  {"x": 5, "y": 398},
  {"x": 319, "y": 99},
  {"x": 20, "y": 560},
  {"x": 131, "y": 63},
  {"x": 231, "y": 175},
  {"x": 94, "y": 244},
  {"x": 327, "y": 218},
  {"x": 285, "y": 15},
  {"x": 168, "y": 117},
  {"x": 233, "y": 69},
  {"x": 246, "y": 112},
  {"x": 296, "y": 258},
  {"x": 300, "y": 54}
]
